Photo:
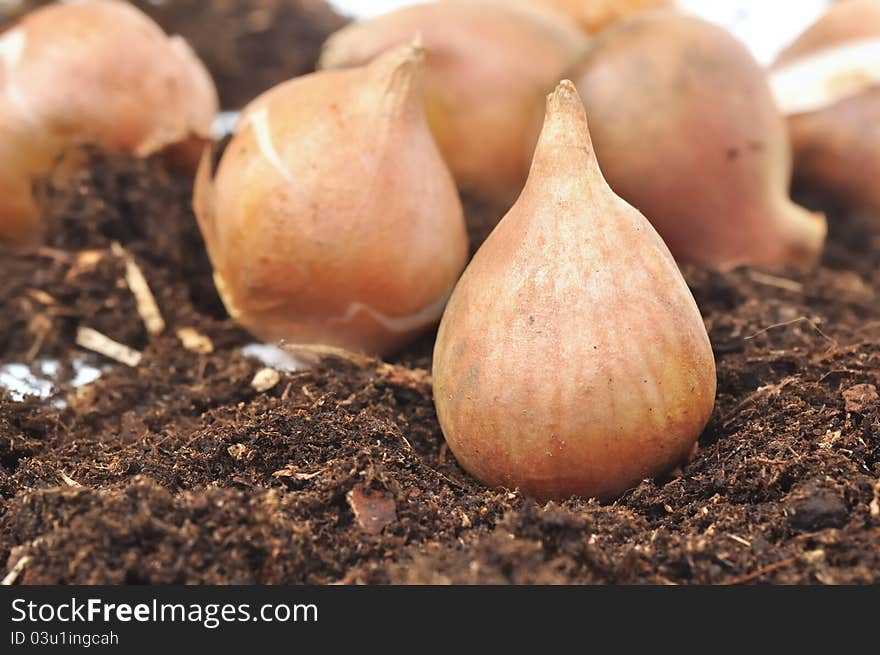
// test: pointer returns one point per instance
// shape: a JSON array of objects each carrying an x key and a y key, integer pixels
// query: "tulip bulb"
[
  {"x": 332, "y": 219},
  {"x": 571, "y": 358},
  {"x": 95, "y": 71},
  {"x": 489, "y": 66},
  {"x": 686, "y": 129},
  {"x": 595, "y": 15},
  {"x": 828, "y": 84}
]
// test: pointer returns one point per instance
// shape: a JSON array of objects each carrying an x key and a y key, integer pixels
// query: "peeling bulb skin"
[
  {"x": 571, "y": 359},
  {"x": 836, "y": 140},
  {"x": 687, "y": 130},
  {"x": 593, "y": 16},
  {"x": 99, "y": 72},
  {"x": 332, "y": 219},
  {"x": 489, "y": 65},
  {"x": 826, "y": 77}
]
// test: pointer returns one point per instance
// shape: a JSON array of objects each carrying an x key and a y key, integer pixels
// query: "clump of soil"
[
  {"x": 76, "y": 278},
  {"x": 248, "y": 45}
]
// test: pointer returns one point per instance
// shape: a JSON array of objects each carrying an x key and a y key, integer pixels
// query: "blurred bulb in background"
[{"x": 766, "y": 26}]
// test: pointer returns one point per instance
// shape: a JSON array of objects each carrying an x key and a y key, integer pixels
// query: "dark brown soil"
[{"x": 179, "y": 471}]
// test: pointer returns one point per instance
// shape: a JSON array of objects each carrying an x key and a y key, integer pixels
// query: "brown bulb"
[
  {"x": 828, "y": 84},
  {"x": 572, "y": 358},
  {"x": 687, "y": 130},
  {"x": 489, "y": 63},
  {"x": 99, "y": 72},
  {"x": 332, "y": 219}
]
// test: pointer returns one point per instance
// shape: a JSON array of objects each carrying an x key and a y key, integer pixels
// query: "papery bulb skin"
[
  {"x": 489, "y": 66},
  {"x": 332, "y": 219},
  {"x": 686, "y": 129},
  {"x": 836, "y": 142},
  {"x": 98, "y": 72},
  {"x": 572, "y": 358},
  {"x": 593, "y": 16}
]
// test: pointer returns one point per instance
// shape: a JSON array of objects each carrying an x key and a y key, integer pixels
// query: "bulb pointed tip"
[
  {"x": 564, "y": 97},
  {"x": 397, "y": 74},
  {"x": 566, "y": 119},
  {"x": 402, "y": 62},
  {"x": 565, "y": 134},
  {"x": 410, "y": 53},
  {"x": 566, "y": 88}
]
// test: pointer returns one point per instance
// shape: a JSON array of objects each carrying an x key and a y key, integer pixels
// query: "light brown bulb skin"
[
  {"x": 332, "y": 219},
  {"x": 571, "y": 359},
  {"x": 593, "y": 16},
  {"x": 98, "y": 72},
  {"x": 489, "y": 65},
  {"x": 837, "y": 148},
  {"x": 686, "y": 129}
]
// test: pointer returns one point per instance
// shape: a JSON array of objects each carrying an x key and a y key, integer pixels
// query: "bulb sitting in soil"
[
  {"x": 572, "y": 358},
  {"x": 332, "y": 219},
  {"x": 686, "y": 129},
  {"x": 98, "y": 72}
]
